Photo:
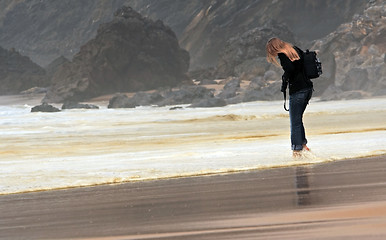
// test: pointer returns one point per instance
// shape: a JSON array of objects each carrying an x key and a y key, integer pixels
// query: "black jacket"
[{"x": 294, "y": 73}]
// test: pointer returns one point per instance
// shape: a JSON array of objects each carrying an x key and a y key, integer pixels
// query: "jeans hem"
[{"x": 298, "y": 147}]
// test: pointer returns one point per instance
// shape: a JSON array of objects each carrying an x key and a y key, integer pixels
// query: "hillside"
[
  {"x": 225, "y": 40},
  {"x": 45, "y": 30}
]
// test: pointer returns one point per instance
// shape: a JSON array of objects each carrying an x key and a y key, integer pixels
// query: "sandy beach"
[
  {"x": 331, "y": 199},
  {"x": 337, "y": 200}
]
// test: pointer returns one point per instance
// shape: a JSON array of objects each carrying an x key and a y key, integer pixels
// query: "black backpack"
[
  {"x": 312, "y": 67},
  {"x": 312, "y": 64}
]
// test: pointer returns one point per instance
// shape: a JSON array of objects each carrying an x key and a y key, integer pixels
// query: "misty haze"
[{"x": 167, "y": 114}]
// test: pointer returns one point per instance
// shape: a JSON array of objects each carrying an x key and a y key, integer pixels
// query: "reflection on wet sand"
[
  {"x": 337, "y": 200},
  {"x": 303, "y": 186}
]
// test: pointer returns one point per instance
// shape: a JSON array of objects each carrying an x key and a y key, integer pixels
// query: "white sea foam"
[{"x": 40, "y": 151}]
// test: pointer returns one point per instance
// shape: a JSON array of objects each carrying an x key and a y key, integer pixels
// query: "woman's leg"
[{"x": 298, "y": 104}]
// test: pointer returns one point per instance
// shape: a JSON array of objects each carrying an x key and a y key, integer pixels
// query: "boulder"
[
  {"x": 183, "y": 95},
  {"x": 336, "y": 93},
  {"x": 131, "y": 53},
  {"x": 230, "y": 88},
  {"x": 257, "y": 83},
  {"x": 175, "y": 108},
  {"x": 121, "y": 100},
  {"x": 235, "y": 100},
  {"x": 355, "y": 79},
  {"x": 75, "y": 105},
  {"x": 44, "y": 107},
  {"x": 331, "y": 93},
  {"x": 382, "y": 87},
  {"x": 143, "y": 99},
  {"x": 186, "y": 95},
  {"x": 209, "y": 102},
  {"x": 271, "y": 76},
  {"x": 252, "y": 95},
  {"x": 271, "y": 91}
]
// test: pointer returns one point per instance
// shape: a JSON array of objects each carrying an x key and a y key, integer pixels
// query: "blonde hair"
[{"x": 275, "y": 46}]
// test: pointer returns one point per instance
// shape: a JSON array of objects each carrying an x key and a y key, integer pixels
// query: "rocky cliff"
[
  {"x": 354, "y": 55},
  {"x": 244, "y": 55},
  {"x": 226, "y": 35},
  {"x": 217, "y": 21},
  {"x": 18, "y": 73},
  {"x": 45, "y": 30},
  {"x": 130, "y": 53}
]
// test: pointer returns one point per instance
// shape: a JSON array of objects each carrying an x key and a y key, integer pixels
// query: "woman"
[{"x": 300, "y": 88}]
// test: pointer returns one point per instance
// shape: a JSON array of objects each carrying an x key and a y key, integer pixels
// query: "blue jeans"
[{"x": 297, "y": 105}]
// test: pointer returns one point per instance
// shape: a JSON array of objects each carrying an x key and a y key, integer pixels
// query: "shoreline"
[
  {"x": 105, "y": 146},
  {"x": 237, "y": 204},
  {"x": 36, "y": 99},
  {"x": 295, "y": 163}
]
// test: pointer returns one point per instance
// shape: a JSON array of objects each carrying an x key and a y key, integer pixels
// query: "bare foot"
[
  {"x": 297, "y": 153},
  {"x": 306, "y": 148}
]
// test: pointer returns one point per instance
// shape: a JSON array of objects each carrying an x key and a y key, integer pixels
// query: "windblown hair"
[{"x": 275, "y": 46}]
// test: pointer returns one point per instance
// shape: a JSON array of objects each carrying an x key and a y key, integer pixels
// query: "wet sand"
[{"x": 337, "y": 200}]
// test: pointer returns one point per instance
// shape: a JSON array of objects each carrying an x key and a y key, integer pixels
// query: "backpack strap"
[
  {"x": 307, "y": 79},
  {"x": 283, "y": 89},
  {"x": 285, "y": 99}
]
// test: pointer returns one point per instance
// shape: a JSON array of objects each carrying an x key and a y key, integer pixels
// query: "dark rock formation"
[
  {"x": 175, "y": 108},
  {"x": 353, "y": 55},
  {"x": 45, "y": 108},
  {"x": 244, "y": 55},
  {"x": 75, "y": 105},
  {"x": 215, "y": 22},
  {"x": 55, "y": 65},
  {"x": 209, "y": 102},
  {"x": 144, "y": 99},
  {"x": 130, "y": 53},
  {"x": 217, "y": 33},
  {"x": 45, "y": 30},
  {"x": 230, "y": 88},
  {"x": 121, "y": 101},
  {"x": 139, "y": 99},
  {"x": 271, "y": 91},
  {"x": 203, "y": 74},
  {"x": 18, "y": 73},
  {"x": 184, "y": 95}
]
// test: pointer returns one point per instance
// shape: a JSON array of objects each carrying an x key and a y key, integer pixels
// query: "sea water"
[{"x": 72, "y": 148}]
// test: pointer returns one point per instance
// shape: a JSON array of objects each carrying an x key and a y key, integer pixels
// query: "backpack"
[
  {"x": 312, "y": 67},
  {"x": 312, "y": 64}
]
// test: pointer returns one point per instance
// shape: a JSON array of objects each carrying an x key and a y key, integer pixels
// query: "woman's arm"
[
  {"x": 286, "y": 63},
  {"x": 288, "y": 68}
]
